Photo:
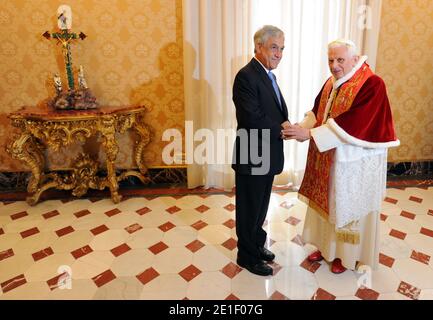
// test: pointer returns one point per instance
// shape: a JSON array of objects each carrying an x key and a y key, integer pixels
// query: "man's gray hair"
[
  {"x": 264, "y": 33},
  {"x": 349, "y": 44}
]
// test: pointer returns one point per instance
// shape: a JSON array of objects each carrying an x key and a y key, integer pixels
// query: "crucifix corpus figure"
[{"x": 80, "y": 98}]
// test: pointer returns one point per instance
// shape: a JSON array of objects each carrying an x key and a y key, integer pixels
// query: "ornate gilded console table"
[{"x": 43, "y": 127}]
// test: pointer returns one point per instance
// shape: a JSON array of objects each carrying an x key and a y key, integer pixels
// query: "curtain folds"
[{"x": 218, "y": 41}]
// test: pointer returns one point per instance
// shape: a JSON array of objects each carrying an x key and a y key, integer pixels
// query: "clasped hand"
[{"x": 294, "y": 131}]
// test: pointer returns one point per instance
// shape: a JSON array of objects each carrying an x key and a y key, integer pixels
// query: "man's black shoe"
[
  {"x": 266, "y": 254},
  {"x": 260, "y": 268}
]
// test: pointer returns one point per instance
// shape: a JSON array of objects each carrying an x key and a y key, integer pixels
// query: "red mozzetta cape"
[{"x": 369, "y": 117}]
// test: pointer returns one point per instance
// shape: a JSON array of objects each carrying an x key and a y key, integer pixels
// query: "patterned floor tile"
[
  {"x": 147, "y": 275},
  {"x": 13, "y": 283},
  {"x": 104, "y": 277},
  {"x": 120, "y": 288},
  {"x": 184, "y": 247},
  {"x": 209, "y": 286},
  {"x": 190, "y": 273},
  {"x": 165, "y": 286},
  {"x": 321, "y": 294}
]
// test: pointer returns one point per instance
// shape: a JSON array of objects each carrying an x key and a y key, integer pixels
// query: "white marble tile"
[
  {"x": 347, "y": 298},
  {"x": 214, "y": 234},
  {"x": 4, "y": 220},
  {"x": 396, "y": 193},
  {"x": 8, "y": 240},
  {"x": 154, "y": 218},
  {"x": 288, "y": 254},
  {"x": 277, "y": 215},
  {"x": 81, "y": 289},
  {"x": 415, "y": 273},
  {"x": 35, "y": 243},
  {"x": 23, "y": 224},
  {"x": 165, "y": 287},
  {"x": 71, "y": 207},
  {"x": 163, "y": 202},
  {"x": 218, "y": 201},
  {"x": 49, "y": 267},
  {"x": 28, "y": 291},
  {"x": 210, "y": 258},
  {"x": 133, "y": 204},
  {"x": 145, "y": 238},
  {"x": 187, "y": 217},
  {"x": 71, "y": 241},
  {"x": 19, "y": 206},
  {"x": 172, "y": 260},
  {"x": 90, "y": 221},
  {"x": 382, "y": 280},
  {"x": 123, "y": 288},
  {"x": 92, "y": 264},
  {"x": 246, "y": 285},
  {"x": 44, "y": 206},
  {"x": 122, "y": 220},
  {"x": 393, "y": 296},
  {"x": 425, "y": 221},
  {"x": 280, "y": 231},
  {"x": 403, "y": 224},
  {"x": 394, "y": 247},
  {"x": 180, "y": 236},
  {"x": 209, "y": 286},
  {"x": 132, "y": 263},
  {"x": 57, "y": 222},
  {"x": 384, "y": 229},
  {"x": 103, "y": 205},
  {"x": 417, "y": 192},
  {"x": 426, "y": 294},
  {"x": 14, "y": 266},
  {"x": 412, "y": 206},
  {"x": 190, "y": 202},
  {"x": 390, "y": 209},
  {"x": 421, "y": 243},
  {"x": 109, "y": 239},
  {"x": 296, "y": 283},
  {"x": 215, "y": 216},
  {"x": 340, "y": 285}
]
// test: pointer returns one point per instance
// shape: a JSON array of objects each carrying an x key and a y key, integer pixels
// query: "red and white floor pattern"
[{"x": 184, "y": 247}]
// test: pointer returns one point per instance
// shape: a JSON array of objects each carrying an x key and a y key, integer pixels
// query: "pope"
[{"x": 350, "y": 129}]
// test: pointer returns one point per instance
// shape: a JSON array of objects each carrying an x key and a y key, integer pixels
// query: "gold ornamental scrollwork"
[
  {"x": 144, "y": 133},
  {"x": 30, "y": 151},
  {"x": 57, "y": 134}
]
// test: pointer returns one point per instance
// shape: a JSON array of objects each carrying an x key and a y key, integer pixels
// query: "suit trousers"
[{"x": 253, "y": 193}]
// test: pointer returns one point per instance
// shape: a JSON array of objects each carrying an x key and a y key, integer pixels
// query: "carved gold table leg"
[
  {"x": 111, "y": 149},
  {"x": 27, "y": 149},
  {"x": 143, "y": 140}
]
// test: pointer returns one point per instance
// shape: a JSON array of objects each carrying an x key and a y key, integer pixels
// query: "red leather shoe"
[
  {"x": 337, "y": 267},
  {"x": 315, "y": 256}
]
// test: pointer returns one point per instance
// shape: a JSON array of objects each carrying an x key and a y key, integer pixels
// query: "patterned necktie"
[{"x": 274, "y": 84}]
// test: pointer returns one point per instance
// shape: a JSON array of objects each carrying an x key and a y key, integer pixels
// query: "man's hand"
[
  {"x": 295, "y": 131},
  {"x": 285, "y": 125}
]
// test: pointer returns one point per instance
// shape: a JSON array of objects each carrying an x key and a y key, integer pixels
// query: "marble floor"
[{"x": 184, "y": 247}]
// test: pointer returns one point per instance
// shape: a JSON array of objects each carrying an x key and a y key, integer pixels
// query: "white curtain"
[{"x": 218, "y": 41}]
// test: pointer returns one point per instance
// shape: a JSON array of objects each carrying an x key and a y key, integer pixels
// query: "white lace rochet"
[{"x": 357, "y": 184}]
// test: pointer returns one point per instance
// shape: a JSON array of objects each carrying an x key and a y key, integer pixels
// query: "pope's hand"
[{"x": 296, "y": 132}]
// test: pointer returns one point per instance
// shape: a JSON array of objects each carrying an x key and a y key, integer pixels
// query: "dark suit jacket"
[{"x": 257, "y": 107}]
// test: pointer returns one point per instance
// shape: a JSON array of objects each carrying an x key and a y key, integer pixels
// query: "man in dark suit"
[{"x": 261, "y": 114}]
